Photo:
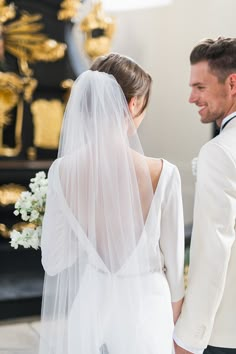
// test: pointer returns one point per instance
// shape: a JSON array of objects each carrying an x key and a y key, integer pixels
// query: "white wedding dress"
[
  {"x": 112, "y": 249},
  {"x": 123, "y": 329}
]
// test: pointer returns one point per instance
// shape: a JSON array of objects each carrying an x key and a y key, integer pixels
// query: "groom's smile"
[{"x": 202, "y": 109}]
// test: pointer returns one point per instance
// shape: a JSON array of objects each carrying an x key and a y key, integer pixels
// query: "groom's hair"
[{"x": 220, "y": 54}]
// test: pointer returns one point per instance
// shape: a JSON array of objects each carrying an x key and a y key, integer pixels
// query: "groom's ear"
[{"x": 232, "y": 82}]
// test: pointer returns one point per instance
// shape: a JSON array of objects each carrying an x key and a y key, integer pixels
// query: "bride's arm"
[
  {"x": 58, "y": 244},
  {"x": 172, "y": 240}
]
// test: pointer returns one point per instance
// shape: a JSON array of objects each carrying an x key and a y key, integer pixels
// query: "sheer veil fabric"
[{"x": 95, "y": 248}]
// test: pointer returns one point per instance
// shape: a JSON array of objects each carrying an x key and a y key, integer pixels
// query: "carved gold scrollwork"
[
  {"x": 69, "y": 9},
  {"x": 9, "y": 193},
  {"x": 7, "y": 99},
  {"x": 15, "y": 85},
  {"x": 7, "y": 12},
  {"x": 22, "y": 38},
  {"x": 13, "y": 89},
  {"x": 99, "y": 30},
  {"x": 47, "y": 119},
  {"x": 4, "y": 231},
  {"x": 32, "y": 153},
  {"x": 67, "y": 86},
  {"x": 9, "y": 151}
]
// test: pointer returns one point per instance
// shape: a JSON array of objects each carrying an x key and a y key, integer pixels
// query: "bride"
[{"x": 113, "y": 237}]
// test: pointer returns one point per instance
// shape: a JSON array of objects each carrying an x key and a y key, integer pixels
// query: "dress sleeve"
[
  {"x": 58, "y": 244},
  {"x": 172, "y": 237}
]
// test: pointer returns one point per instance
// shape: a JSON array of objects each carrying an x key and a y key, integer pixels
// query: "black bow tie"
[{"x": 224, "y": 125}]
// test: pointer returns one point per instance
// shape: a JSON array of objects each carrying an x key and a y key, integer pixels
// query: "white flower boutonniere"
[{"x": 194, "y": 166}]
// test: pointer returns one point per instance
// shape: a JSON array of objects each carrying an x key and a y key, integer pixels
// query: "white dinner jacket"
[{"x": 209, "y": 311}]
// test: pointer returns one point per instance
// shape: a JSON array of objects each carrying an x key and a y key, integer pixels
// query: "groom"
[{"x": 208, "y": 318}]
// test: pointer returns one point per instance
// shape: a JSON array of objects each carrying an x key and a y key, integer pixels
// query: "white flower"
[
  {"x": 35, "y": 239},
  {"x": 194, "y": 166},
  {"x": 27, "y": 204},
  {"x": 15, "y": 236},
  {"x": 24, "y": 215},
  {"x": 29, "y": 237},
  {"x": 40, "y": 175},
  {"x": 34, "y": 215},
  {"x": 31, "y": 207},
  {"x": 25, "y": 195}
]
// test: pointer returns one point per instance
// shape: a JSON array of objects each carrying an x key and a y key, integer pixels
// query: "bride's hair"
[{"x": 134, "y": 81}]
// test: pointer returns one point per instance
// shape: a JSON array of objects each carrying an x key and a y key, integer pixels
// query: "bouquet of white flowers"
[{"x": 31, "y": 207}]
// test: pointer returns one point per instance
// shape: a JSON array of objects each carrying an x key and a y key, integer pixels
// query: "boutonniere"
[{"x": 194, "y": 166}]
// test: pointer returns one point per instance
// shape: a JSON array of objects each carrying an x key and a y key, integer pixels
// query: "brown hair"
[
  {"x": 134, "y": 81},
  {"x": 220, "y": 55}
]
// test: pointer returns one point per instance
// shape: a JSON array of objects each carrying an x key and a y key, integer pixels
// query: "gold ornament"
[
  {"x": 69, "y": 9},
  {"x": 9, "y": 193},
  {"x": 32, "y": 153},
  {"x": 13, "y": 89},
  {"x": 23, "y": 39},
  {"x": 7, "y": 12},
  {"x": 99, "y": 30},
  {"x": 67, "y": 86},
  {"x": 47, "y": 118}
]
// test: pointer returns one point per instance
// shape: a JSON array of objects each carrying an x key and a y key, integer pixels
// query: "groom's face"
[{"x": 209, "y": 94}]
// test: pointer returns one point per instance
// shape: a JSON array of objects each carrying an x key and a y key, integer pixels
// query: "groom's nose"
[{"x": 193, "y": 97}]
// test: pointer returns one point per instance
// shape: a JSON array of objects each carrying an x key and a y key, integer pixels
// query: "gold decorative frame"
[
  {"x": 96, "y": 20},
  {"x": 13, "y": 89},
  {"x": 9, "y": 193},
  {"x": 47, "y": 119},
  {"x": 68, "y": 10},
  {"x": 22, "y": 38},
  {"x": 8, "y": 151}
]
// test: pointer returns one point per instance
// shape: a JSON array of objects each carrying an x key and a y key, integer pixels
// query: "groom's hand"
[{"x": 180, "y": 350}]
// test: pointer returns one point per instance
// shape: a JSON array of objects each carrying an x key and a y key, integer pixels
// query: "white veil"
[{"x": 95, "y": 248}]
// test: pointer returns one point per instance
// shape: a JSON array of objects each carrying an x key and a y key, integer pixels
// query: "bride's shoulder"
[
  {"x": 159, "y": 165},
  {"x": 155, "y": 166}
]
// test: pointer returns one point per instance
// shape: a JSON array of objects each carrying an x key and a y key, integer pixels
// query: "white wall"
[{"x": 160, "y": 40}]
